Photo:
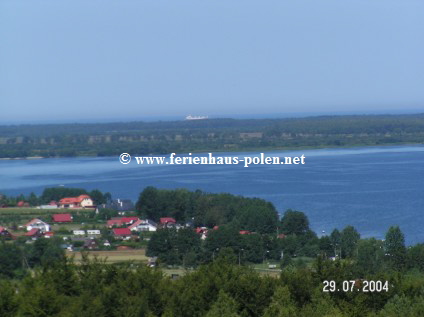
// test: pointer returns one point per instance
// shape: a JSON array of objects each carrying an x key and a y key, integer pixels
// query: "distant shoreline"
[
  {"x": 256, "y": 150},
  {"x": 212, "y": 135}
]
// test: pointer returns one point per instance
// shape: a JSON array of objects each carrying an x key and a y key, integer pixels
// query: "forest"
[
  {"x": 59, "y": 287},
  {"x": 144, "y": 138},
  {"x": 220, "y": 279}
]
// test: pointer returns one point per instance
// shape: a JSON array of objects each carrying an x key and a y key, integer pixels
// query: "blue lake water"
[{"x": 370, "y": 188}]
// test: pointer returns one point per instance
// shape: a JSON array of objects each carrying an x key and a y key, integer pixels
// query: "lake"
[{"x": 370, "y": 188}]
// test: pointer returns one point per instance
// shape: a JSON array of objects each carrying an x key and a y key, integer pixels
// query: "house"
[
  {"x": 203, "y": 231},
  {"x": 34, "y": 233},
  {"x": 5, "y": 234},
  {"x": 129, "y": 220},
  {"x": 93, "y": 232},
  {"x": 143, "y": 225},
  {"x": 121, "y": 221},
  {"x": 82, "y": 201},
  {"x": 90, "y": 244},
  {"x": 167, "y": 222},
  {"x": 152, "y": 261},
  {"x": 22, "y": 204},
  {"x": 114, "y": 222},
  {"x": 62, "y": 218},
  {"x": 121, "y": 205},
  {"x": 38, "y": 224},
  {"x": 122, "y": 233},
  {"x": 78, "y": 232},
  {"x": 244, "y": 232},
  {"x": 48, "y": 234}
]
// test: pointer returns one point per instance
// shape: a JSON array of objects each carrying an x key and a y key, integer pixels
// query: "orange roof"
[{"x": 73, "y": 200}]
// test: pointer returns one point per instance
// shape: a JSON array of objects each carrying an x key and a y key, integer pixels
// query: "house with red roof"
[
  {"x": 245, "y": 232},
  {"x": 38, "y": 224},
  {"x": 82, "y": 201},
  {"x": 121, "y": 221},
  {"x": 143, "y": 225},
  {"x": 34, "y": 233},
  {"x": 203, "y": 231},
  {"x": 48, "y": 234},
  {"x": 22, "y": 203},
  {"x": 62, "y": 218},
  {"x": 121, "y": 233},
  {"x": 167, "y": 222}
]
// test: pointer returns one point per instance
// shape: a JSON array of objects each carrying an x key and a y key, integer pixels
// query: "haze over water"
[{"x": 370, "y": 188}]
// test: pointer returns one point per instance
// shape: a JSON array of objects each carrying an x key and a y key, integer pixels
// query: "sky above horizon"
[{"x": 99, "y": 60}]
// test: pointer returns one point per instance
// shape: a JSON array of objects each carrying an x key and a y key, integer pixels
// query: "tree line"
[
  {"x": 220, "y": 288},
  {"x": 145, "y": 138}
]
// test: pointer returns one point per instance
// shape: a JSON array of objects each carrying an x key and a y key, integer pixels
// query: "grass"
[
  {"x": 111, "y": 257},
  {"x": 76, "y": 226},
  {"x": 37, "y": 211}
]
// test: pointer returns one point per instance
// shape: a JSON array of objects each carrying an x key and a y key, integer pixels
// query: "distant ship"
[{"x": 190, "y": 117}]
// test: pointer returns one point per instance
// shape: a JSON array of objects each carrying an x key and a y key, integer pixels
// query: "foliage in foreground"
[{"x": 220, "y": 288}]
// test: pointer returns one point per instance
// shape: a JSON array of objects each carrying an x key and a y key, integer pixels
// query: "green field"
[
  {"x": 112, "y": 257},
  {"x": 37, "y": 211}
]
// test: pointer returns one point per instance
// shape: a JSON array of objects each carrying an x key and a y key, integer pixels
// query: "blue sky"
[{"x": 102, "y": 60}]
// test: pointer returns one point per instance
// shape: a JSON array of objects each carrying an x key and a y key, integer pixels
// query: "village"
[{"x": 84, "y": 226}]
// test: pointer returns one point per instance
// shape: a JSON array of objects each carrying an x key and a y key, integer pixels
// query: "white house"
[
  {"x": 37, "y": 224},
  {"x": 93, "y": 232},
  {"x": 78, "y": 232},
  {"x": 143, "y": 225},
  {"x": 82, "y": 201}
]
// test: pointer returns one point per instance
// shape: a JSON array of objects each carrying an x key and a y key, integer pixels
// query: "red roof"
[
  {"x": 62, "y": 218},
  {"x": 21, "y": 203},
  {"x": 2, "y": 228},
  {"x": 244, "y": 232},
  {"x": 129, "y": 219},
  {"x": 113, "y": 222},
  {"x": 135, "y": 224},
  {"x": 32, "y": 232},
  {"x": 49, "y": 233},
  {"x": 167, "y": 220},
  {"x": 215, "y": 228},
  {"x": 122, "y": 232},
  {"x": 73, "y": 200},
  {"x": 119, "y": 221}
]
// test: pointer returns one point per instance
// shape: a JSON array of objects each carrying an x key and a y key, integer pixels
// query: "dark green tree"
[
  {"x": 370, "y": 257},
  {"x": 395, "y": 248},
  {"x": 97, "y": 197},
  {"x": 225, "y": 305},
  {"x": 348, "y": 241},
  {"x": 294, "y": 222},
  {"x": 336, "y": 238}
]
